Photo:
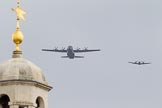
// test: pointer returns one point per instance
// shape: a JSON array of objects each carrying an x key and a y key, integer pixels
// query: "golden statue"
[
  {"x": 19, "y": 13},
  {"x": 17, "y": 36}
]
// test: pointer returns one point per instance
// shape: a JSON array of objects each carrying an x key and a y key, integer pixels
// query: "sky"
[{"x": 124, "y": 30}]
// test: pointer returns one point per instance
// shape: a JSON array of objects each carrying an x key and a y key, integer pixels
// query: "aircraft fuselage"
[{"x": 70, "y": 52}]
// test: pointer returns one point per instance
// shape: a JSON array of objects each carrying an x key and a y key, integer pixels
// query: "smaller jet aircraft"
[
  {"x": 139, "y": 63},
  {"x": 70, "y": 51}
]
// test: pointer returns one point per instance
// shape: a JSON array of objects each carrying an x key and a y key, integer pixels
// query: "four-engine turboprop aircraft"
[{"x": 71, "y": 52}]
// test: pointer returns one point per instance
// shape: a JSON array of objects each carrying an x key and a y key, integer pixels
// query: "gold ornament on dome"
[{"x": 17, "y": 36}]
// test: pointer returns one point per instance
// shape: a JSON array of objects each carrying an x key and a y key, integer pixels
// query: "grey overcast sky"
[{"x": 124, "y": 30}]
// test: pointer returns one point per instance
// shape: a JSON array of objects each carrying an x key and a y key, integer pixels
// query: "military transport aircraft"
[
  {"x": 71, "y": 52},
  {"x": 139, "y": 63}
]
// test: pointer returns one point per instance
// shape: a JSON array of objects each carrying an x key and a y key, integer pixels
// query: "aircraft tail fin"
[
  {"x": 72, "y": 58},
  {"x": 79, "y": 56},
  {"x": 64, "y": 57}
]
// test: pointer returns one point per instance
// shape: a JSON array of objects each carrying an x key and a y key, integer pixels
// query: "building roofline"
[{"x": 28, "y": 82}]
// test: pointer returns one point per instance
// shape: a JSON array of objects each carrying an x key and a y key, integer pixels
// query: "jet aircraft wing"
[
  {"x": 85, "y": 50},
  {"x": 55, "y": 50}
]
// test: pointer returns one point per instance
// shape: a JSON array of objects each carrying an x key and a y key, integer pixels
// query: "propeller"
[
  {"x": 56, "y": 48},
  {"x": 63, "y": 48},
  {"x": 77, "y": 48},
  {"x": 86, "y": 48}
]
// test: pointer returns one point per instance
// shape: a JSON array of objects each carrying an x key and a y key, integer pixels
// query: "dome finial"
[{"x": 17, "y": 36}]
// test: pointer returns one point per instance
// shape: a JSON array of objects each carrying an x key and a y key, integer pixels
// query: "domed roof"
[{"x": 20, "y": 69}]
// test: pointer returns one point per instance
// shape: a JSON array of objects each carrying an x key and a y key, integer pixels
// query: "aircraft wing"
[
  {"x": 132, "y": 62},
  {"x": 55, "y": 50},
  {"x": 146, "y": 63},
  {"x": 85, "y": 50}
]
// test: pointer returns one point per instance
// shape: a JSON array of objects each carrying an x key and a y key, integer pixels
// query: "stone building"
[{"x": 22, "y": 83}]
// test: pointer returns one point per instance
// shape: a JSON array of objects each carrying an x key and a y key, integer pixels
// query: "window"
[
  {"x": 4, "y": 99},
  {"x": 40, "y": 102}
]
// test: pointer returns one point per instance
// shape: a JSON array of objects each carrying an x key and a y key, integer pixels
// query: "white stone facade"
[{"x": 22, "y": 85}]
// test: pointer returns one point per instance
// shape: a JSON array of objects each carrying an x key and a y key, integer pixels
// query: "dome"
[{"x": 18, "y": 68}]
